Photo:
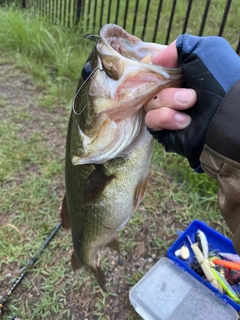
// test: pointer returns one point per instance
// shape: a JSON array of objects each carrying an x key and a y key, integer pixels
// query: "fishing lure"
[
  {"x": 197, "y": 268},
  {"x": 232, "y": 276},
  {"x": 227, "y": 264},
  {"x": 202, "y": 242},
  {"x": 205, "y": 266},
  {"x": 183, "y": 253},
  {"x": 226, "y": 287},
  {"x": 230, "y": 256}
]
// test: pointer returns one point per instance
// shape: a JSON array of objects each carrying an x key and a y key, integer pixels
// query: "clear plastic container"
[{"x": 167, "y": 292}]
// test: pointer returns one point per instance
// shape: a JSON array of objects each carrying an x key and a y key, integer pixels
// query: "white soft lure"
[
  {"x": 202, "y": 240},
  {"x": 230, "y": 256},
  {"x": 204, "y": 265},
  {"x": 183, "y": 253}
]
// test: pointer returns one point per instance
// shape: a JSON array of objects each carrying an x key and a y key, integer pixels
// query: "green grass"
[
  {"x": 49, "y": 52},
  {"x": 42, "y": 61}
]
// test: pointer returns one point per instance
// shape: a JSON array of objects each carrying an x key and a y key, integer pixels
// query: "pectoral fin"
[
  {"x": 139, "y": 192},
  {"x": 96, "y": 183},
  {"x": 65, "y": 214}
]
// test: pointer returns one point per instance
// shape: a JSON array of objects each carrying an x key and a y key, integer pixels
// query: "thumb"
[{"x": 168, "y": 57}]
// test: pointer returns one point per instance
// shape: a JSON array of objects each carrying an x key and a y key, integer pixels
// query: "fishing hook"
[{"x": 81, "y": 87}]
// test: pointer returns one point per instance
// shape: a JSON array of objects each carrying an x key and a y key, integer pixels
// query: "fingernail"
[
  {"x": 182, "y": 119},
  {"x": 184, "y": 96}
]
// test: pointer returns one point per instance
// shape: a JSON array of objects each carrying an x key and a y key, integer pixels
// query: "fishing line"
[
  {"x": 30, "y": 264},
  {"x": 91, "y": 38}
]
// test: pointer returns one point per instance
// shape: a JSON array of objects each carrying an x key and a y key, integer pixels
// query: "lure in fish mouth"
[{"x": 108, "y": 149}]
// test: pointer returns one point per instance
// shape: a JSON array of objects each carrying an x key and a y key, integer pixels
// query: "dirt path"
[
  {"x": 144, "y": 240},
  {"x": 20, "y": 97}
]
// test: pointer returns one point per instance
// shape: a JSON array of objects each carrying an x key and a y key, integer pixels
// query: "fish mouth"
[
  {"x": 124, "y": 82},
  {"x": 132, "y": 92},
  {"x": 114, "y": 40},
  {"x": 132, "y": 78}
]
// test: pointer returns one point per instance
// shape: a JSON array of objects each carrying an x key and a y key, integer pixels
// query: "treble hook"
[{"x": 81, "y": 87}]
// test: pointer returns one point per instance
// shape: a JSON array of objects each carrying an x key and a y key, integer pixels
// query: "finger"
[
  {"x": 175, "y": 98},
  {"x": 167, "y": 118},
  {"x": 168, "y": 57}
]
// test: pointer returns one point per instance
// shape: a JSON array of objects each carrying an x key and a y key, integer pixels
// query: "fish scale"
[{"x": 109, "y": 150}]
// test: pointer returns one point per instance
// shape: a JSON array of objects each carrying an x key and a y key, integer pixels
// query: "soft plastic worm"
[
  {"x": 230, "y": 256},
  {"x": 205, "y": 266},
  {"x": 204, "y": 243},
  {"x": 225, "y": 285},
  {"x": 227, "y": 264}
]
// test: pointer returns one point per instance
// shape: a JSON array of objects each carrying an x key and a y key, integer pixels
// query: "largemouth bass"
[{"x": 108, "y": 149}]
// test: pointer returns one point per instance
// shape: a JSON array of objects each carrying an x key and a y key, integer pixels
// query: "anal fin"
[{"x": 114, "y": 244}]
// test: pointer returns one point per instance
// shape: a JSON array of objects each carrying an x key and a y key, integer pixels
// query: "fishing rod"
[{"x": 30, "y": 264}]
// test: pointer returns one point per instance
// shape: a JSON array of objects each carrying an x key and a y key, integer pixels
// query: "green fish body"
[{"x": 109, "y": 150}]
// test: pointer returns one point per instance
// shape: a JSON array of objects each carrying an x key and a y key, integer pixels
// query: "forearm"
[
  {"x": 220, "y": 158},
  {"x": 211, "y": 142}
]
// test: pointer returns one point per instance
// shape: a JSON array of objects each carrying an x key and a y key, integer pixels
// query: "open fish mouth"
[
  {"x": 132, "y": 78},
  {"x": 117, "y": 80}
]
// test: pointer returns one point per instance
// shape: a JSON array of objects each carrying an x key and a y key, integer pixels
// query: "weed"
[
  {"x": 50, "y": 52},
  {"x": 134, "y": 278},
  {"x": 34, "y": 114}
]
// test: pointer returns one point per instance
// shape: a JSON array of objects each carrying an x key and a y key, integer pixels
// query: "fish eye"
[{"x": 86, "y": 70}]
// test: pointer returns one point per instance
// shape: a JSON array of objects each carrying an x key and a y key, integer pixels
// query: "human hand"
[
  {"x": 211, "y": 140},
  {"x": 164, "y": 111},
  {"x": 210, "y": 67}
]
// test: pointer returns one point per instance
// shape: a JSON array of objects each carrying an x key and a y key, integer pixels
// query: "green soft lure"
[{"x": 225, "y": 285}]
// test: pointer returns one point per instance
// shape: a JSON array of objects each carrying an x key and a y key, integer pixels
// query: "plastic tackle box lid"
[{"x": 167, "y": 292}]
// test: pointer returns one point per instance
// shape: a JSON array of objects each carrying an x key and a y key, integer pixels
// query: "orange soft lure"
[{"x": 227, "y": 264}]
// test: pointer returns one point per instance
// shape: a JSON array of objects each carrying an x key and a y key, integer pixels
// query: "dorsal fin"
[
  {"x": 96, "y": 183},
  {"x": 65, "y": 214}
]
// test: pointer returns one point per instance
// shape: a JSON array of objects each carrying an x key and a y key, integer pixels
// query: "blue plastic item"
[{"x": 216, "y": 241}]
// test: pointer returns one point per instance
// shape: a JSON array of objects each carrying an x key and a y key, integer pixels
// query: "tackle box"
[
  {"x": 172, "y": 290},
  {"x": 216, "y": 241}
]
